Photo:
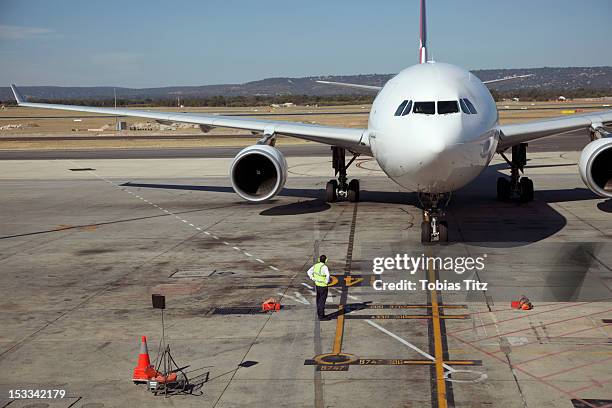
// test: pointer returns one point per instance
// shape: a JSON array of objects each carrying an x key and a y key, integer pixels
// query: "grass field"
[{"x": 53, "y": 123}]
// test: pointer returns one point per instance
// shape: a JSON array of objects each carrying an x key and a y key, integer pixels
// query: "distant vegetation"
[
  {"x": 544, "y": 84},
  {"x": 540, "y": 94},
  {"x": 217, "y": 101},
  {"x": 534, "y": 94}
]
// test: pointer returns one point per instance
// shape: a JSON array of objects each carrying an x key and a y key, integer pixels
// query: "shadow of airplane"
[
  {"x": 348, "y": 308},
  {"x": 605, "y": 206},
  {"x": 475, "y": 215}
]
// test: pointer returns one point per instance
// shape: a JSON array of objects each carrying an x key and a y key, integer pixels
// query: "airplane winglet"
[{"x": 20, "y": 99}]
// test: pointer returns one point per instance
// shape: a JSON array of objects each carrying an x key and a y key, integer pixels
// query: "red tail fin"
[{"x": 423, "y": 35}]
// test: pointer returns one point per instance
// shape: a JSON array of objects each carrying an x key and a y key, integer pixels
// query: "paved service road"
[{"x": 569, "y": 142}]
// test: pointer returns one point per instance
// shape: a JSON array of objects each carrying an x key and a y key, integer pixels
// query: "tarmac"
[
  {"x": 572, "y": 141},
  {"x": 85, "y": 242}
]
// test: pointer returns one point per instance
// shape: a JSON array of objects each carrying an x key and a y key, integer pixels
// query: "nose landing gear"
[
  {"x": 341, "y": 188},
  {"x": 434, "y": 225},
  {"x": 517, "y": 186}
]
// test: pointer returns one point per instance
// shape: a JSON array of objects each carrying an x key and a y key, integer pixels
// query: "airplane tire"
[
  {"x": 425, "y": 232},
  {"x": 526, "y": 189},
  {"x": 353, "y": 191},
  {"x": 443, "y": 230},
  {"x": 503, "y": 189},
  {"x": 330, "y": 191}
]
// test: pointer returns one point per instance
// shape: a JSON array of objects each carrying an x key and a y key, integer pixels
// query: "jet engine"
[
  {"x": 596, "y": 166},
  {"x": 258, "y": 172}
]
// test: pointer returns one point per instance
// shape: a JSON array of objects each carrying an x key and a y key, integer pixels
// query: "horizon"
[{"x": 282, "y": 77}]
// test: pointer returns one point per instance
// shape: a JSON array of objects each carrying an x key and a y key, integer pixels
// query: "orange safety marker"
[
  {"x": 166, "y": 379},
  {"x": 523, "y": 303},
  {"x": 144, "y": 371},
  {"x": 270, "y": 305}
]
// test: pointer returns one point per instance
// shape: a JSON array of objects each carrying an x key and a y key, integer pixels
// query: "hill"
[{"x": 558, "y": 79}]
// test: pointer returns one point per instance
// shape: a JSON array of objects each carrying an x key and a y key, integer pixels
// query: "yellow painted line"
[
  {"x": 392, "y": 307},
  {"x": 409, "y": 317},
  {"x": 339, "y": 331},
  {"x": 438, "y": 353}
]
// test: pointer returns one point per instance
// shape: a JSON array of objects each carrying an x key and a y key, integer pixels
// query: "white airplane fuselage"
[{"x": 433, "y": 153}]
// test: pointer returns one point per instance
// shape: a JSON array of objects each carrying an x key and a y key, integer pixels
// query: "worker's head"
[{"x": 323, "y": 258}]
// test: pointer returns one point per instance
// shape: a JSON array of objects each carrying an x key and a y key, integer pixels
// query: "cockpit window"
[
  {"x": 407, "y": 109},
  {"x": 400, "y": 108},
  {"x": 428, "y": 108},
  {"x": 470, "y": 106},
  {"x": 404, "y": 108},
  {"x": 467, "y": 106},
  {"x": 445, "y": 107}
]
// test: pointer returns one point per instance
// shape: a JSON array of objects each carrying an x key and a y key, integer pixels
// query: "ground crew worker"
[{"x": 319, "y": 273}]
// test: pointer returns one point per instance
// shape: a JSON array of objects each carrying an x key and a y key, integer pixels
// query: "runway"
[
  {"x": 568, "y": 142},
  {"x": 82, "y": 252}
]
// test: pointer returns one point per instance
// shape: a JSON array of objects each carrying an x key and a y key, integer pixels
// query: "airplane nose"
[
  {"x": 424, "y": 153},
  {"x": 418, "y": 159},
  {"x": 418, "y": 156},
  {"x": 432, "y": 147}
]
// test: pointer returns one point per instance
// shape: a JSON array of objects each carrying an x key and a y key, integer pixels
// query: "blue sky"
[{"x": 161, "y": 43}]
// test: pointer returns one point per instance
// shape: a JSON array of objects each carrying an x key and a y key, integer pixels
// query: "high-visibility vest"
[{"x": 319, "y": 277}]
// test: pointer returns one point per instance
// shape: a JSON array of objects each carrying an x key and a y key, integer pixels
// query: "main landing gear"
[
  {"x": 339, "y": 188},
  {"x": 521, "y": 187},
  {"x": 434, "y": 225}
]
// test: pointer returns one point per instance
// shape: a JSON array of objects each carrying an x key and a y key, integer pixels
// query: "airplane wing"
[
  {"x": 508, "y": 78},
  {"x": 378, "y": 88},
  {"x": 355, "y": 140},
  {"x": 359, "y": 86},
  {"x": 513, "y": 134}
]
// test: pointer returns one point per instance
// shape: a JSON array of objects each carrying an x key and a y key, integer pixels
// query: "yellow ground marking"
[
  {"x": 339, "y": 331},
  {"x": 438, "y": 352}
]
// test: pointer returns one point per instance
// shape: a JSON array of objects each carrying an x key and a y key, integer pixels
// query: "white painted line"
[
  {"x": 307, "y": 285},
  {"x": 301, "y": 300},
  {"x": 298, "y": 295},
  {"x": 181, "y": 219},
  {"x": 407, "y": 343}
]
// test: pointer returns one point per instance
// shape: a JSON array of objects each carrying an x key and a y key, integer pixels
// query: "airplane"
[{"x": 433, "y": 128}]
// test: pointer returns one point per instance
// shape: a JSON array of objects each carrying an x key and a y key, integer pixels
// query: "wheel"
[
  {"x": 330, "y": 191},
  {"x": 425, "y": 232},
  {"x": 443, "y": 231},
  {"x": 353, "y": 191},
  {"x": 526, "y": 189},
  {"x": 503, "y": 189}
]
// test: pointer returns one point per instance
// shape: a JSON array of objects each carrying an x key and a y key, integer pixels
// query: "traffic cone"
[{"x": 143, "y": 370}]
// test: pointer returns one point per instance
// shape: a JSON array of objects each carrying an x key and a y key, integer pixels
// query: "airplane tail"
[{"x": 423, "y": 35}]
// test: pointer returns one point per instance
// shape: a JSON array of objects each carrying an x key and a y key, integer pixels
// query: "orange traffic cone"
[{"x": 143, "y": 370}]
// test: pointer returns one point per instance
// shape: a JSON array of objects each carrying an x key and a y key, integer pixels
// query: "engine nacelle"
[
  {"x": 596, "y": 166},
  {"x": 258, "y": 172}
]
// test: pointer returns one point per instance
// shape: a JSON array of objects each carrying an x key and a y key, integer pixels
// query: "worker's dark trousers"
[{"x": 321, "y": 299}]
